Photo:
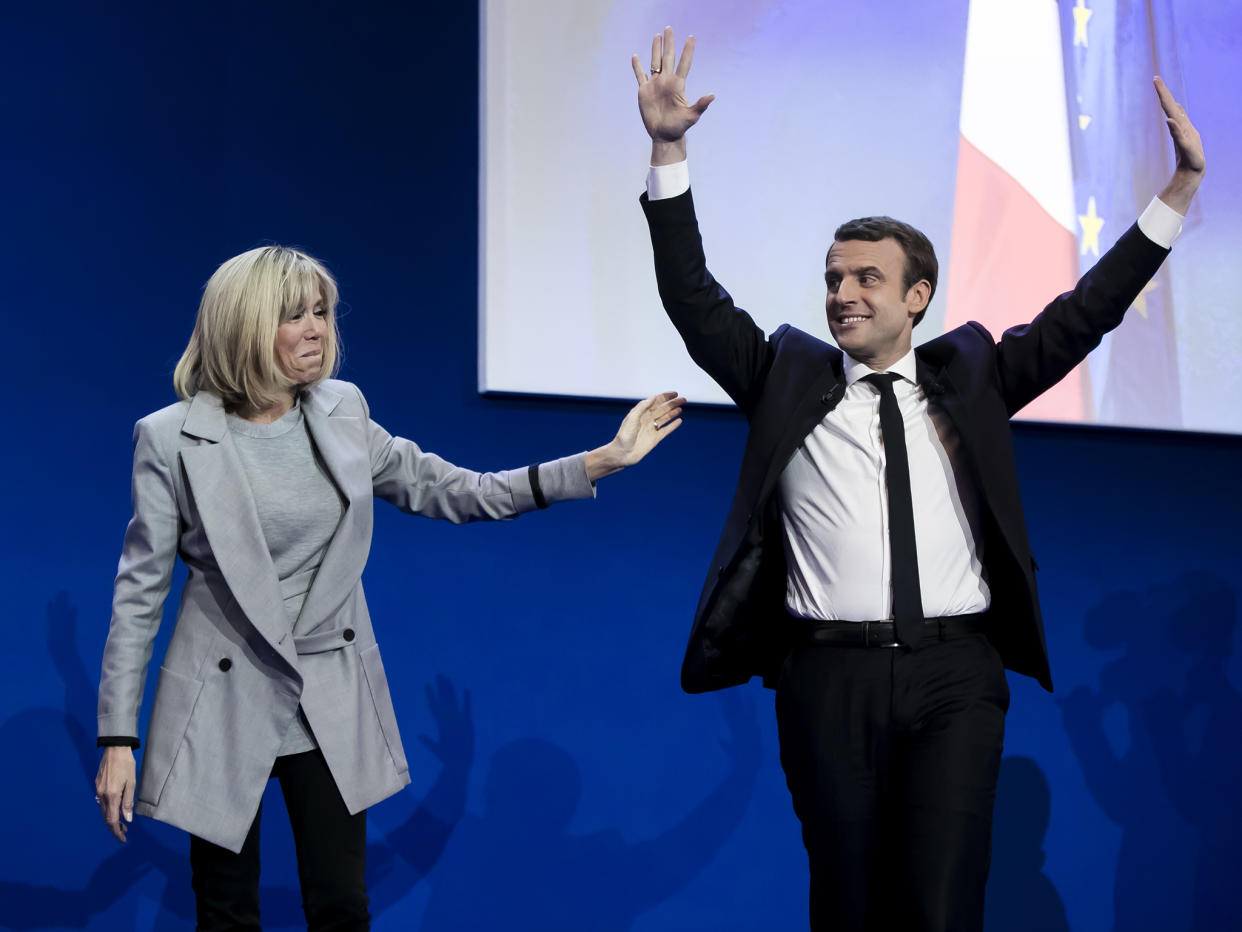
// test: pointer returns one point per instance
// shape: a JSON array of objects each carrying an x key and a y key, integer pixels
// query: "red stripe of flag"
[{"x": 1008, "y": 258}]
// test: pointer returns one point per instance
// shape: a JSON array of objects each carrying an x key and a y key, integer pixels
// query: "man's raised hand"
[
  {"x": 1187, "y": 151},
  {"x": 666, "y": 111}
]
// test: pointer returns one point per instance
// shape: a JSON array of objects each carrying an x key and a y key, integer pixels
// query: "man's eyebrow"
[{"x": 857, "y": 271}]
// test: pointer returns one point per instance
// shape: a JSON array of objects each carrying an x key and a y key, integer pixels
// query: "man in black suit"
[{"x": 875, "y": 566}]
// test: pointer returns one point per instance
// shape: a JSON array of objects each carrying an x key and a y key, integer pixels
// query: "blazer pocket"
[
  {"x": 175, "y": 698},
  {"x": 377, "y": 683}
]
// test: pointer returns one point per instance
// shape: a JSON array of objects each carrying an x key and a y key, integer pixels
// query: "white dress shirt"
[
  {"x": 833, "y": 497},
  {"x": 834, "y": 505}
]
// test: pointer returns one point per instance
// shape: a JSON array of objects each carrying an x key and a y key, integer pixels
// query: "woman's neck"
[{"x": 270, "y": 414}]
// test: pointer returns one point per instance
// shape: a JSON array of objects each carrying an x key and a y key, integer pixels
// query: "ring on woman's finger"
[
  {"x": 96, "y": 799},
  {"x": 655, "y": 71}
]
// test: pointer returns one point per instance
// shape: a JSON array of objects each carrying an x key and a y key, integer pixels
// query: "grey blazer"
[{"x": 234, "y": 673}]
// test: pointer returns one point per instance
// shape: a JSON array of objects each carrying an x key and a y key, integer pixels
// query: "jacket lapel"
[
  {"x": 341, "y": 442},
  {"x": 940, "y": 390},
  {"x": 810, "y": 405},
  {"x": 230, "y": 519}
]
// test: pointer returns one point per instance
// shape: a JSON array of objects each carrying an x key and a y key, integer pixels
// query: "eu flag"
[{"x": 1122, "y": 157}]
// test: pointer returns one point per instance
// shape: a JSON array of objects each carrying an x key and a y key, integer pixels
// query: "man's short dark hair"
[{"x": 920, "y": 256}]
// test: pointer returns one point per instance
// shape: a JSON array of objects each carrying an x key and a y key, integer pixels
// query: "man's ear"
[{"x": 918, "y": 296}]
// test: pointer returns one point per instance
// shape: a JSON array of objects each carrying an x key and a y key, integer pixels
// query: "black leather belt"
[{"x": 884, "y": 633}]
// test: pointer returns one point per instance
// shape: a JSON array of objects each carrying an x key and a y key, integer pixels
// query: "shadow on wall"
[
  {"x": 519, "y": 867},
  {"x": 396, "y": 862},
  {"x": 1020, "y": 896},
  {"x": 537, "y": 875},
  {"x": 1158, "y": 750}
]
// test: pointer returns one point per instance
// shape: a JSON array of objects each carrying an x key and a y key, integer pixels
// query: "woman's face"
[{"x": 300, "y": 339}]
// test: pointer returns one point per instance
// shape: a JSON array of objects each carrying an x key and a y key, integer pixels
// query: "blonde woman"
[{"x": 261, "y": 479}]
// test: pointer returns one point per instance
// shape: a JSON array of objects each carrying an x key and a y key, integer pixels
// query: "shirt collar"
[{"x": 906, "y": 367}]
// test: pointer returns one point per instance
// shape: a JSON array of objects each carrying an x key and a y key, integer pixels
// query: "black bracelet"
[
  {"x": 117, "y": 742},
  {"x": 535, "y": 489}
]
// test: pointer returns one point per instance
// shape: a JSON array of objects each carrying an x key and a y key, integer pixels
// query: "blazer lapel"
[
  {"x": 810, "y": 405},
  {"x": 940, "y": 390},
  {"x": 341, "y": 443},
  {"x": 230, "y": 519}
]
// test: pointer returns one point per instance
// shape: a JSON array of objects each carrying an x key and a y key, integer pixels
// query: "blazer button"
[
  {"x": 348, "y": 634},
  {"x": 825, "y": 399},
  {"x": 225, "y": 664}
]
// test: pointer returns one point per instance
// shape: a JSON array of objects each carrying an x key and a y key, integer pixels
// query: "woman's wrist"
[{"x": 604, "y": 461}]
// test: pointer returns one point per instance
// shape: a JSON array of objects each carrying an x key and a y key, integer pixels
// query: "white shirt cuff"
[
  {"x": 1160, "y": 223},
  {"x": 665, "y": 181}
]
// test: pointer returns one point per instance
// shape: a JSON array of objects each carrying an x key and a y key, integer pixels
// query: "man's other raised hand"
[
  {"x": 1187, "y": 152},
  {"x": 662, "y": 102}
]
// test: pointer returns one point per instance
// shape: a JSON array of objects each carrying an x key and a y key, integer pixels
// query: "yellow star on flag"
[
  {"x": 1081, "y": 15},
  {"x": 1091, "y": 224},
  {"x": 1140, "y": 303},
  {"x": 1083, "y": 121}
]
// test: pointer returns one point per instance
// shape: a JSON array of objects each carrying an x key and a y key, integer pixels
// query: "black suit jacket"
[{"x": 786, "y": 383}]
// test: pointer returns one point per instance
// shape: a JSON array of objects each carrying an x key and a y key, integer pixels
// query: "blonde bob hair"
[{"x": 232, "y": 352}]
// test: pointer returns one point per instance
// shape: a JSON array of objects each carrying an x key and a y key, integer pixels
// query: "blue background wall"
[{"x": 578, "y": 788}]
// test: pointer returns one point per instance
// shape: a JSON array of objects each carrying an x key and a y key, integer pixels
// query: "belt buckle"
[{"x": 867, "y": 642}]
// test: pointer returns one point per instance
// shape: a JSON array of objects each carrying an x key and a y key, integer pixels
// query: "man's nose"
[{"x": 847, "y": 292}]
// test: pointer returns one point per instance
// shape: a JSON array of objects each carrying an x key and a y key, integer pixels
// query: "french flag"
[{"x": 1014, "y": 243}]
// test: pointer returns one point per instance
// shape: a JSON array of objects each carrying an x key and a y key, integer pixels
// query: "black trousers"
[
  {"x": 892, "y": 758},
  {"x": 331, "y": 849}
]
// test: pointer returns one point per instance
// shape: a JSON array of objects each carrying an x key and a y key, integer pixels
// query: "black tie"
[{"x": 907, "y": 597}]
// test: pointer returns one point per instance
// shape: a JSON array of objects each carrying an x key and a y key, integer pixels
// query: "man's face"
[{"x": 870, "y": 311}]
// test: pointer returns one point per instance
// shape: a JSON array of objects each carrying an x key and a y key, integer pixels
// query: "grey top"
[{"x": 299, "y": 509}]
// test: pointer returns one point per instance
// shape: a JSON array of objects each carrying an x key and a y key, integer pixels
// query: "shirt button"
[{"x": 225, "y": 664}]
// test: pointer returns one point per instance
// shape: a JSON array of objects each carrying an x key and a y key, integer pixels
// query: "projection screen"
[{"x": 1022, "y": 137}]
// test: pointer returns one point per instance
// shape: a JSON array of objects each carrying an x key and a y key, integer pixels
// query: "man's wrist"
[
  {"x": 665, "y": 152},
  {"x": 1181, "y": 189}
]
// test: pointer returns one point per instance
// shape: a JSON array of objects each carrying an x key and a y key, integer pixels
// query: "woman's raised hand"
[{"x": 646, "y": 424}]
